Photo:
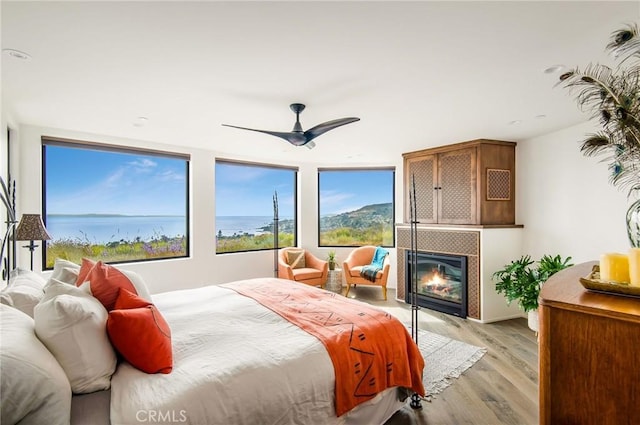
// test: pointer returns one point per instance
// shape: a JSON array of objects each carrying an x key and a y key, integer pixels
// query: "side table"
[{"x": 334, "y": 281}]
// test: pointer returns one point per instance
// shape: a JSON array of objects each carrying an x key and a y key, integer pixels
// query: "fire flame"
[
  {"x": 435, "y": 284},
  {"x": 435, "y": 280}
]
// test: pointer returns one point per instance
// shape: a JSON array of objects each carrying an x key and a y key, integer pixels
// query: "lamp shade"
[{"x": 31, "y": 228}]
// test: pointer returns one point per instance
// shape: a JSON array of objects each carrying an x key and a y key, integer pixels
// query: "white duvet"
[{"x": 235, "y": 362}]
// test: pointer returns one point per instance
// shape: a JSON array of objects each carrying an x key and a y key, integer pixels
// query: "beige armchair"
[
  {"x": 314, "y": 271},
  {"x": 352, "y": 265}
]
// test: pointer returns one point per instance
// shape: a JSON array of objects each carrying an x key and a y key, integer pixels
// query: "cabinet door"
[
  {"x": 456, "y": 193},
  {"x": 423, "y": 170}
]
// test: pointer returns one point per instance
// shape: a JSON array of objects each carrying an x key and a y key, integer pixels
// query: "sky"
[
  {"x": 245, "y": 190},
  {"x": 349, "y": 190},
  {"x": 87, "y": 181}
]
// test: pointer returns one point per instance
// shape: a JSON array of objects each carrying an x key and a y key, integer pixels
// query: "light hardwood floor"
[{"x": 501, "y": 388}]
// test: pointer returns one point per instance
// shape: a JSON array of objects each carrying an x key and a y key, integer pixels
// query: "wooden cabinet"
[
  {"x": 465, "y": 183},
  {"x": 589, "y": 353}
]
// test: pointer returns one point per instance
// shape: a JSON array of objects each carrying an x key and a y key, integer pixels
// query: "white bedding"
[{"x": 236, "y": 362}]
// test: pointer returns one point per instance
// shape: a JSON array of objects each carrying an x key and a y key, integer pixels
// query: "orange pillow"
[
  {"x": 140, "y": 334},
  {"x": 105, "y": 281},
  {"x": 85, "y": 268}
]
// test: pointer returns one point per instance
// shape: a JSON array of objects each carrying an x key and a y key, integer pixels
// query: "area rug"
[{"x": 445, "y": 359}]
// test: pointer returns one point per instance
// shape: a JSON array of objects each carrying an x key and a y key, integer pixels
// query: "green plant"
[
  {"x": 331, "y": 258},
  {"x": 519, "y": 281}
]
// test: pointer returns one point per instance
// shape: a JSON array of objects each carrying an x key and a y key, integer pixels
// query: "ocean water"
[
  {"x": 243, "y": 224},
  {"x": 99, "y": 229}
]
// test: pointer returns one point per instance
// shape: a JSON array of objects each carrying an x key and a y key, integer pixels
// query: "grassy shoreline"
[
  {"x": 165, "y": 247},
  {"x": 250, "y": 242},
  {"x": 116, "y": 251}
]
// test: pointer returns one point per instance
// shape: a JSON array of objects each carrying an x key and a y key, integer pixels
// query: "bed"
[{"x": 239, "y": 359}]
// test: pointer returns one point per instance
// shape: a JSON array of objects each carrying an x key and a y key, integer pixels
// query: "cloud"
[
  {"x": 112, "y": 180},
  {"x": 237, "y": 174},
  {"x": 333, "y": 198},
  {"x": 170, "y": 175},
  {"x": 142, "y": 165},
  {"x": 122, "y": 176}
]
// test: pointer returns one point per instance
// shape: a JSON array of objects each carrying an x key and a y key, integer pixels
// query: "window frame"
[
  {"x": 392, "y": 169},
  {"x": 295, "y": 171},
  {"x": 105, "y": 147}
]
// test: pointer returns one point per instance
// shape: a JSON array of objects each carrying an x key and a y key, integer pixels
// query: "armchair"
[
  {"x": 314, "y": 272},
  {"x": 353, "y": 264}
]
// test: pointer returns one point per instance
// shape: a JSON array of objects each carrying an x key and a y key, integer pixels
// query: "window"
[
  {"x": 114, "y": 204},
  {"x": 245, "y": 203},
  {"x": 356, "y": 207}
]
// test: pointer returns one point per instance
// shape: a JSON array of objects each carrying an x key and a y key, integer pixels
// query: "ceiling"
[{"x": 418, "y": 74}]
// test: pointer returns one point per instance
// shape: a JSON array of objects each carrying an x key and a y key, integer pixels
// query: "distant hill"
[{"x": 358, "y": 219}]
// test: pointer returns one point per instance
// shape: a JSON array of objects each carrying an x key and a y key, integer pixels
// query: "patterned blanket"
[{"x": 370, "y": 349}]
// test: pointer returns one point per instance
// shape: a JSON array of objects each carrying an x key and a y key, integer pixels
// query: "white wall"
[
  {"x": 565, "y": 200},
  {"x": 204, "y": 266},
  {"x": 497, "y": 247}
]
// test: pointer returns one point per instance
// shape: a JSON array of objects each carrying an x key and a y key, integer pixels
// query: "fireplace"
[{"x": 441, "y": 282}]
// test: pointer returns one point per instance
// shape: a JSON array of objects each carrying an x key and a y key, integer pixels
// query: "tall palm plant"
[{"x": 612, "y": 95}]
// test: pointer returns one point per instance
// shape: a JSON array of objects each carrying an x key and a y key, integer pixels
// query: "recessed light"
[
  {"x": 16, "y": 54},
  {"x": 541, "y": 116},
  {"x": 515, "y": 122},
  {"x": 553, "y": 69},
  {"x": 140, "y": 121}
]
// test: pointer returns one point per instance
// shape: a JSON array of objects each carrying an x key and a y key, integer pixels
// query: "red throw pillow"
[
  {"x": 140, "y": 334},
  {"x": 105, "y": 281},
  {"x": 85, "y": 268},
  {"x": 127, "y": 299}
]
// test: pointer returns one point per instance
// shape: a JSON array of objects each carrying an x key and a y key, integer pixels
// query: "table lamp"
[{"x": 31, "y": 228}]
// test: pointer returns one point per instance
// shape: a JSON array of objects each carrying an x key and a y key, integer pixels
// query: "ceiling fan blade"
[
  {"x": 319, "y": 129},
  {"x": 291, "y": 137},
  {"x": 297, "y": 137}
]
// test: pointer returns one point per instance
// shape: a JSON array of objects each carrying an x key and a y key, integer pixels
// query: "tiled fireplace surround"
[
  {"x": 487, "y": 248},
  {"x": 454, "y": 242}
]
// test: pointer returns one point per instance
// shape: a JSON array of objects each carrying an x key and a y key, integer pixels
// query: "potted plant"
[
  {"x": 331, "y": 258},
  {"x": 522, "y": 279}
]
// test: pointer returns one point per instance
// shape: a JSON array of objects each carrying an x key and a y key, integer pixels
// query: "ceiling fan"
[{"x": 297, "y": 136}]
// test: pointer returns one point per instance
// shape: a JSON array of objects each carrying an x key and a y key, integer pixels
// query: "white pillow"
[
  {"x": 24, "y": 291},
  {"x": 22, "y": 297},
  {"x": 72, "y": 324},
  {"x": 32, "y": 276},
  {"x": 34, "y": 389},
  {"x": 65, "y": 271},
  {"x": 69, "y": 275},
  {"x": 138, "y": 283}
]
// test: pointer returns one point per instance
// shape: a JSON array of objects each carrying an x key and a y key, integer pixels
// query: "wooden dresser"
[{"x": 589, "y": 353}]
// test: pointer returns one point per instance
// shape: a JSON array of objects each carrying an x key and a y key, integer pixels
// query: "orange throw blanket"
[{"x": 370, "y": 349}]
